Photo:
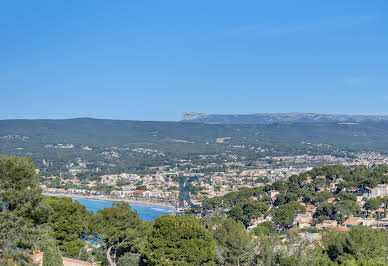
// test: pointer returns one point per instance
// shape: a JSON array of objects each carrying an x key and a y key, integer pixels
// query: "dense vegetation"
[
  {"x": 29, "y": 222},
  {"x": 88, "y": 131},
  {"x": 115, "y": 132},
  {"x": 113, "y": 147},
  {"x": 23, "y": 215},
  {"x": 311, "y": 187}
]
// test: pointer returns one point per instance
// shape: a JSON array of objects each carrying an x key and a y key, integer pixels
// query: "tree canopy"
[
  {"x": 179, "y": 241},
  {"x": 120, "y": 228},
  {"x": 68, "y": 220},
  {"x": 22, "y": 216}
]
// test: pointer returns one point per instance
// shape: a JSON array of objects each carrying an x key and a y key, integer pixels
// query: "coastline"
[{"x": 102, "y": 198}]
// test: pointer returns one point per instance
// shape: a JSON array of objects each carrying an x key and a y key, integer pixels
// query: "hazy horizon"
[{"x": 180, "y": 118}]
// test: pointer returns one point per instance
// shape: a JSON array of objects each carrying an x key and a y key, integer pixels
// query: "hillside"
[{"x": 121, "y": 132}]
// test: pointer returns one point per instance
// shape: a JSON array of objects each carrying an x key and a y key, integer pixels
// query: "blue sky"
[{"x": 153, "y": 60}]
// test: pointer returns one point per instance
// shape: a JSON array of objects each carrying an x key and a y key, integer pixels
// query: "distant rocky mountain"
[{"x": 269, "y": 118}]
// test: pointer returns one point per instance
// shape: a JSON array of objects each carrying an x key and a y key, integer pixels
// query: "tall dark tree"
[
  {"x": 68, "y": 221},
  {"x": 246, "y": 211},
  {"x": 120, "y": 228},
  {"x": 361, "y": 244},
  {"x": 285, "y": 214},
  {"x": 179, "y": 241},
  {"x": 23, "y": 217},
  {"x": 234, "y": 243},
  {"x": 372, "y": 204}
]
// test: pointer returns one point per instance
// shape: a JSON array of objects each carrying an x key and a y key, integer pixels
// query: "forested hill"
[{"x": 122, "y": 132}]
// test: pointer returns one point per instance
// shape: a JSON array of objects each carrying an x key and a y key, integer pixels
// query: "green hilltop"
[{"x": 123, "y": 132}]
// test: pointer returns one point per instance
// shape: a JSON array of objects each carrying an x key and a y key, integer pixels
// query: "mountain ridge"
[
  {"x": 270, "y": 118},
  {"x": 122, "y": 132}
]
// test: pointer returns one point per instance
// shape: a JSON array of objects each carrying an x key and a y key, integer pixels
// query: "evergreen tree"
[
  {"x": 120, "y": 228},
  {"x": 68, "y": 220},
  {"x": 178, "y": 241},
  {"x": 52, "y": 256},
  {"x": 23, "y": 217},
  {"x": 234, "y": 243}
]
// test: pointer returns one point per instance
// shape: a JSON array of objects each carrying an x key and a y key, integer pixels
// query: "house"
[
  {"x": 121, "y": 194},
  {"x": 364, "y": 191},
  {"x": 369, "y": 222},
  {"x": 326, "y": 224},
  {"x": 379, "y": 191},
  {"x": 140, "y": 193},
  {"x": 330, "y": 223},
  {"x": 128, "y": 187},
  {"x": 302, "y": 225},
  {"x": 380, "y": 211},
  {"x": 156, "y": 194},
  {"x": 304, "y": 217},
  {"x": 360, "y": 199},
  {"x": 273, "y": 194},
  {"x": 353, "y": 221},
  {"x": 331, "y": 200},
  {"x": 303, "y": 220},
  {"x": 383, "y": 223},
  {"x": 339, "y": 228},
  {"x": 310, "y": 208},
  {"x": 255, "y": 222}
]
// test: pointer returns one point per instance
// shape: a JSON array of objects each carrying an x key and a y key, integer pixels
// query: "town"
[{"x": 160, "y": 185}]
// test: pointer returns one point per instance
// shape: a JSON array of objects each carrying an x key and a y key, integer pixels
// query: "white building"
[{"x": 379, "y": 191}]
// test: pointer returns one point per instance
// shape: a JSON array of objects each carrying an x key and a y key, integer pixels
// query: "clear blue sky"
[{"x": 153, "y": 60}]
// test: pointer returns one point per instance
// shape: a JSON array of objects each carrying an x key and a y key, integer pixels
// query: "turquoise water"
[{"x": 145, "y": 212}]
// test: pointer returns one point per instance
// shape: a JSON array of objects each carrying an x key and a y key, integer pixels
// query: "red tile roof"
[
  {"x": 353, "y": 221},
  {"x": 330, "y": 200},
  {"x": 339, "y": 228},
  {"x": 329, "y": 221}
]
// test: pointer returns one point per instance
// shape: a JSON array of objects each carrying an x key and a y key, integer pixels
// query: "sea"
[{"x": 145, "y": 212}]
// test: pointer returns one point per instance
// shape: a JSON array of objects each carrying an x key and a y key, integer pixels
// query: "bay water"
[{"x": 145, "y": 212}]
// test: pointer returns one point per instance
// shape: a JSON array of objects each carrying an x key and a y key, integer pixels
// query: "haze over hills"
[{"x": 269, "y": 118}]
